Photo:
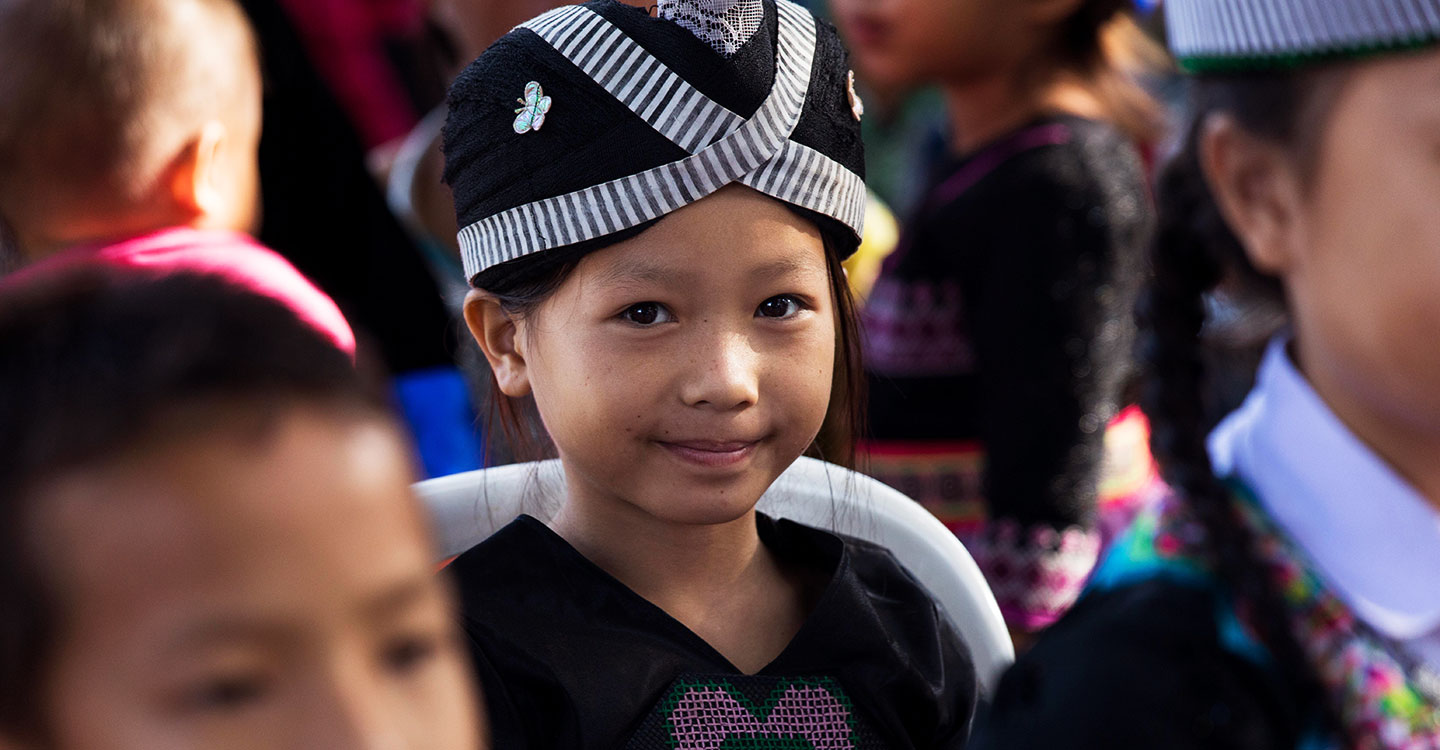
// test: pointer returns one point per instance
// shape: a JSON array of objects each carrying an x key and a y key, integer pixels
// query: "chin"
[{"x": 706, "y": 504}]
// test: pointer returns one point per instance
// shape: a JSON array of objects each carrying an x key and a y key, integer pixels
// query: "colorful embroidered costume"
[{"x": 1159, "y": 654}]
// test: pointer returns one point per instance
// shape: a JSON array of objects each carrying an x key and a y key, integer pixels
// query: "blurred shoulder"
[{"x": 1139, "y": 666}]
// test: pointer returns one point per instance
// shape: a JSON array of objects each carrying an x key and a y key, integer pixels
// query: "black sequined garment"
[{"x": 999, "y": 335}]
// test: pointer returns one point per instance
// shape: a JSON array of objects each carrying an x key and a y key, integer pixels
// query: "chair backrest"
[{"x": 466, "y": 508}]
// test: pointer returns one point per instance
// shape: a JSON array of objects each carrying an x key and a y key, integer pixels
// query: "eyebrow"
[
  {"x": 786, "y": 266},
  {"x": 395, "y": 598},
  {"x": 639, "y": 270},
  {"x": 223, "y": 629},
  {"x": 400, "y": 597}
]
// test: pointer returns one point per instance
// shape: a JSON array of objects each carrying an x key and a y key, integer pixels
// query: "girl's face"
[
  {"x": 902, "y": 43},
  {"x": 680, "y": 372},
  {"x": 1355, "y": 241},
  {"x": 1363, "y": 266},
  {"x": 245, "y": 590}
]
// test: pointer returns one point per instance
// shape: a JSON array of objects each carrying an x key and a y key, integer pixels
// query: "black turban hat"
[{"x": 586, "y": 125}]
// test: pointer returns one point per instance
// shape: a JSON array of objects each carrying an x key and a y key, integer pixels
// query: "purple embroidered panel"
[{"x": 739, "y": 712}]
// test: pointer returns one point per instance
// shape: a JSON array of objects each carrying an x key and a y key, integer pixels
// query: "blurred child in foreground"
[{"x": 207, "y": 534}]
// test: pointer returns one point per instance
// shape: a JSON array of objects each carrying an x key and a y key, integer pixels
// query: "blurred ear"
[
  {"x": 195, "y": 175},
  {"x": 1258, "y": 191},
  {"x": 6, "y": 743},
  {"x": 501, "y": 338},
  {"x": 1048, "y": 12}
]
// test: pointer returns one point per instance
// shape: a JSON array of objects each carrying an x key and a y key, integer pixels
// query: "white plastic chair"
[{"x": 466, "y": 508}]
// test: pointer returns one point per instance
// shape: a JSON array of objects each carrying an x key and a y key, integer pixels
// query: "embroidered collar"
[
  {"x": 1379, "y": 703},
  {"x": 1375, "y": 539}
]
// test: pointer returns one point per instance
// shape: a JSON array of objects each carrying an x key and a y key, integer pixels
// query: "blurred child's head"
[
  {"x": 903, "y": 43},
  {"x": 126, "y": 116},
  {"x": 207, "y": 536},
  {"x": 1308, "y": 180},
  {"x": 1316, "y": 187}
]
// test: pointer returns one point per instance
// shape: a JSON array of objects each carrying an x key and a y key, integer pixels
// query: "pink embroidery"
[
  {"x": 917, "y": 328},
  {"x": 705, "y": 717},
  {"x": 1036, "y": 572}
]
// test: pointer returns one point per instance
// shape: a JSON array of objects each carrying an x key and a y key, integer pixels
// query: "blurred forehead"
[{"x": 311, "y": 515}]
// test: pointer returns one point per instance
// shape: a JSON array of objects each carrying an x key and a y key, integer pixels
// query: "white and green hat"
[{"x": 1217, "y": 36}]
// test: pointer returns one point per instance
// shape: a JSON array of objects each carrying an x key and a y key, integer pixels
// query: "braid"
[{"x": 1193, "y": 250}]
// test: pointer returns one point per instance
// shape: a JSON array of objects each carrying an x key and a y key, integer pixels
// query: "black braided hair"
[{"x": 1194, "y": 251}]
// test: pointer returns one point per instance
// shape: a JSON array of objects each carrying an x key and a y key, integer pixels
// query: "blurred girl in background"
[
  {"x": 1284, "y": 595},
  {"x": 998, "y": 332}
]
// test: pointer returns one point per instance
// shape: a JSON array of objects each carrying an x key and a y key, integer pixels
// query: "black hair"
[
  {"x": 1101, "y": 42},
  {"x": 1194, "y": 253},
  {"x": 94, "y": 363},
  {"x": 520, "y": 294}
]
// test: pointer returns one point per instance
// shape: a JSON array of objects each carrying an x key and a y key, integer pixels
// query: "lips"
[{"x": 711, "y": 453}]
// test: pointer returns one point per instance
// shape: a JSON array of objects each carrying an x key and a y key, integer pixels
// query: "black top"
[
  {"x": 572, "y": 659},
  {"x": 1141, "y": 666},
  {"x": 1004, "y": 316}
]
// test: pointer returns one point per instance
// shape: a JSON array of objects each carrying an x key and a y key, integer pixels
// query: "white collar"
[{"x": 1371, "y": 534}]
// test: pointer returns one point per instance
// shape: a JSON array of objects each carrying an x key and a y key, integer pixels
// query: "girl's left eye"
[
  {"x": 646, "y": 314},
  {"x": 779, "y": 307},
  {"x": 226, "y": 693},
  {"x": 407, "y": 654}
]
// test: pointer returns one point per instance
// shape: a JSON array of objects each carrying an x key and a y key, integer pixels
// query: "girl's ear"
[
  {"x": 195, "y": 173},
  {"x": 6, "y": 743},
  {"x": 1049, "y": 12},
  {"x": 1258, "y": 190},
  {"x": 501, "y": 339}
]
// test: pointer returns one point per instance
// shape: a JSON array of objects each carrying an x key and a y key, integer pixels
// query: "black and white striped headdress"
[
  {"x": 588, "y": 124},
  {"x": 1239, "y": 35}
]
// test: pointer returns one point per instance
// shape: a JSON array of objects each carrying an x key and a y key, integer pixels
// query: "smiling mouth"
[{"x": 711, "y": 453}]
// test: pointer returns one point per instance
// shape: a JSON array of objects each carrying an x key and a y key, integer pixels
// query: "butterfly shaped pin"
[{"x": 531, "y": 114}]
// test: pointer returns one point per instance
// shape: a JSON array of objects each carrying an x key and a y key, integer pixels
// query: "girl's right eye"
[
  {"x": 647, "y": 314},
  {"x": 225, "y": 694}
]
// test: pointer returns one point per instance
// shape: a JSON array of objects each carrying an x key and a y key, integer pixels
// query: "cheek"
[
  {"x": 801, "y": 377},
  {"x": 584, "y": 384},
  {"x": 95, "y": 700},
  {"x": 1372, "y": 268}
]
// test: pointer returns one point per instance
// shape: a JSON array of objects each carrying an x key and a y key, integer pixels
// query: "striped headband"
[
  {"x": 1214, "y": 36},
  {"x": 610, "y": 119}
]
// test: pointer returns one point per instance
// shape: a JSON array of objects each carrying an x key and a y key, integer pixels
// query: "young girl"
[
  {"x": 207, "y": 537},
  {"x": 654, "y": 234},
  {"x": 1285, "y": 595},
  {"x": 996, "y": 338}
]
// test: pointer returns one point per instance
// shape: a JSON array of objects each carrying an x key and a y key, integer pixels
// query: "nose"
[
  {"x": 724, "y": 375},
  {"x": 349, "y": 710}
]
